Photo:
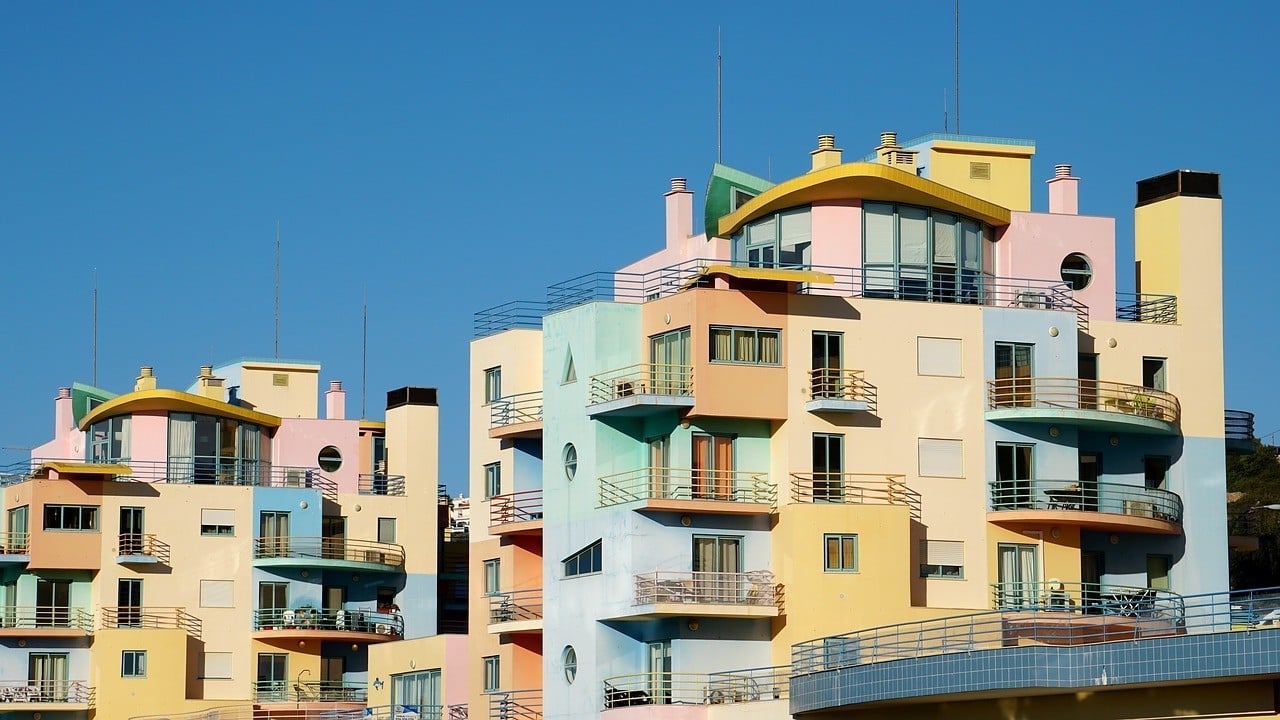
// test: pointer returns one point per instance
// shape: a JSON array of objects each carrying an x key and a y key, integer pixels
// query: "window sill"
[
  {"x": 746, "y": 364},
  {"x": 582, "y": 575}
]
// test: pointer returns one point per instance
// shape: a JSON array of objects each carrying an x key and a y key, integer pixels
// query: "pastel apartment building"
[
  {"x": 230, "y": 545},
  {"x": 880, "y": 439}
]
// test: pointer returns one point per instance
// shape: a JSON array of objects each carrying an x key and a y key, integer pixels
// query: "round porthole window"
[
  {"x": 570, "y": 460},
  {"x": 569, "y": 658},
  {"x": 329, "y": 459},
  {"x": 1076, "y": 271}
]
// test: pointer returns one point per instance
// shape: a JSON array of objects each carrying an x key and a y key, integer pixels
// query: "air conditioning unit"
[
  {"x": 624, "y": 388},
  {"x": 1031, "y": 299},
  {"x": 295, "y": 477}
]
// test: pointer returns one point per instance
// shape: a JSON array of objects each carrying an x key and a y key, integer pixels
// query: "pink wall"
[
  {"x": 149, "y": 436},
  {"x": 455, "y": 669},
  {"x": 299, "y": 440},
  {"x": 837, "y": 233},
  {"x": 1035, "y": 244}
]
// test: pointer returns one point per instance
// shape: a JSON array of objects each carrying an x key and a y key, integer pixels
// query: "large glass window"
[
  {"x": 916, "y": 253},
  {"x": 420, "y": 690},
  {"x": 779, "y": 240},
  {"x": 210, "y": 449},
  {"x": 586, "y": 561},
  {"x": 108, "y": 440},
  {"x": 753, "y": 346},
  {"x": 82, "y": 518}
]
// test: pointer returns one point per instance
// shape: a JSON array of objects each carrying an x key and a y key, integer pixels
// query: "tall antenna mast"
[
  {"x": 944, "y": 110},
  {"x": 95, "y": 327},
  {"x": 364, "y": 353},
  {"x": 277, "y": 335},
  {"x": 719, "y": 98},
  {"x": 957, "y": 67}
]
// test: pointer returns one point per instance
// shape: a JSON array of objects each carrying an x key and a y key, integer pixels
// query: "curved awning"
[{"x": 174, "y": 401}]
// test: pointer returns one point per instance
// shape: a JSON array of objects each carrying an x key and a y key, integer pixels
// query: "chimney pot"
[
  {"x": 1063, "y": 170},
  {"x": 147, "y": 371},
  {"x": 335, "y": 384},
  {"x": 826, "y": 142},
  {"x": 64, "y": 393},
  {"x": 206, "y": 370},
  {"x": 889, "y": 138},
  {"x": 678, "y": 184}
]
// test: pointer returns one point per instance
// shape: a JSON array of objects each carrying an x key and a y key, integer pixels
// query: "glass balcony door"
[
  {"x": 717, "y": 567},
  {"x": 273, "y": 530},
  {"x": 273, "y": 676},
  {"x": 53, "y": 603},
  {"x": 828, "y": 468},
  {"x": 1013, "y": 374},
  {"x": 713, "y": 466},
  {"x": 660, "y": 672},
  {"x": 47, "y": 672},
  {"x": 1014, "y": 467},
  {"x": 828, "y": 362},
  {"x": 129, "y": 602},
  {"x": 1019, "y": 575},
  {"x": 670, "y": 358}
]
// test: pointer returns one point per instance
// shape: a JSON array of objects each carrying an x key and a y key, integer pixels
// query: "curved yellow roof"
[
  {"x": 174, "y": 401},
  {"x": 872, "y": 181}
]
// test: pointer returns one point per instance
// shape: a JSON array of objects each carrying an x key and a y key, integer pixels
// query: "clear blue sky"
[{"x": 453, "y": 156}]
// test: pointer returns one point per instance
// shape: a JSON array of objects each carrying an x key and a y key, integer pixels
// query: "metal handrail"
[
  {"x": 515, "y": 705},
  {"x": 45, "y": 617},
  {"x": 1087, "y": 598},
  {"x": 840, "y": 384},
  {"x": 854, "y": 489},
  {"x": 165, "y": 618},
  {"x": 254, "y": 712},
  {"x": 1101, "y": 497},
  {"x": 15, "y": 543},
  {"x": 515, "y": 606},
  {"x": 380, "y": 484},
  {"x": 328, "y": 548},
  {"x": 197, "y": 470},
  {"x": 1077, "y": 394},
  {"x": 664, "y": 483},
  {"x": 392, "y": 712},
  {"x": 310, "y": 691},
  {"x": 523, "y": 506},
  {"x": 457, "y": 711},
  {"x": 1120, "y": 620},
  {"x": 640, "y": 379},
  {"x": 341, "y": 620},
  {"x": 756, "y": 588},
  {"x": 676, "y": 688},
  {"x": 143, "y": 544},
  {"x": 507, "y": 316},
  {"x": 46, "y": 691},
  {"x": 1238, "y": 424},
  {"x": 516, "y": 409},
  {"x": 1147, "y": 308}
]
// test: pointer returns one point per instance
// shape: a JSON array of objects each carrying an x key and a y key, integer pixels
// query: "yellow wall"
[
  {"x": 1010, "y": 183},
  {"x": 299, "y": 399},
  {"x": 170, "y": 670}
]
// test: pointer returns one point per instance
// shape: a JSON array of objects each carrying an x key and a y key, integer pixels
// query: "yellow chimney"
[
  {"x": 827, "y": 155},
  {"x": 146, "y": 379}
]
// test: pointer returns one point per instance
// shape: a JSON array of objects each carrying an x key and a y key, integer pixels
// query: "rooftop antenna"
[
  {"x": 95, "y": 327},
  {"x": 364, "y": 353},
  {"x": 944, "y": 110},
  {"x": 957, "y": 66},
  {"x": 277, "y": 343},
  {"x": 719, "y": 99}
]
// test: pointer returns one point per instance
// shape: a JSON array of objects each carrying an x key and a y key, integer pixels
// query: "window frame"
[
  {"x": 840, "y": 538},
  {"x": 62, "y": 508},
  {"x": 216, "y": 532},
  {"x": 136, "y": 656},
  {"x": 593, "y": 552},
  {"x": 734, "y": 331},
  {"x": 934, "y": 571},
  {"x": 492, "y": 674},
  {"x": 492, "y": 577},
  {"x": 884, "y": 279},
  {"x": 492, "y": 480},
  {"x": 492, "y": 384}
]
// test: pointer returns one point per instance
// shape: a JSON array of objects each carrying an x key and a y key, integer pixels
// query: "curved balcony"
[
  {"x": 516, "y": 611},
  {"x": 518, "y": 513},
  {"x": 516, "y": 416},
  {"x": 640, "y": 390},
  {"x": 684, "y": 593},
  {"x": 832, "y": 390},
  {"x": 854, "y": 489},
  {"x": 1112, "y": 507},
  {"x": 323, "y": 624},
  {"x": 729, "y": 492},
  {"x": 672, "y": 688},
  {"x": 46, "y": 695},
  {"x": 15, "y": 548},
  {"x": 319, "y": 691},
  {"x": 1238, "y": 427},
  {"x": 45, "y": 621},
  {"x": 399, "y": 712},
  {"x": 1089, "y": 404},
  {"x": 297, "y": 551}
]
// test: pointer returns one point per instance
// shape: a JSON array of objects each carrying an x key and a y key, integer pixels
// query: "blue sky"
[{"x": 450, "y": 157}]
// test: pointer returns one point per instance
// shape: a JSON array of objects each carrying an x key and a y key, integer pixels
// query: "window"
[
  {"x": 778, "y": 240},
  {"x": 669, "y": 360},
  {"x": 492, "y": 384},
  {"x": 1153, "y": 373},
  {"x": 216, "y": 665},
  {"x": 942, "y": 559},
  {"x": 79, "y": 518},
  {"x": 738, "y": 198},
  {"x": 1076, "y": 271},
  {"x": 1158, "y": 571},
  {"x": 916, "y": 253},
  {"x": 492, "y": 577},
  {"x": 214, "y": 450},
  {"x": 570, "y": 460},
  {"x": 492, "y": 480},
  {"x": 17, "y": 542},
  {"x": 585, "y": 561},
  {"x": 216, "y": 594},
  {"x": 1014, "y": 369},
  {"x": 108, "y": 440},
  {"x": 828, "y": 468},
  {"x": 570, "y": 372},
  {"x": 492, "y": 674},
  {"x": 329, "y": 459},
  {"x": 273, "y": 596},
  {"x": 1014, "y": 473},
  {"x": 386, "y": 530},
  {"x": 941, "y": 458},
  {"x": 1155, "y": 470},
  {"x": 418, "y": 689},
  {"x": 938, "y": 356},
  {"x": 133, "y": 663},
  {"x": 752, "y": 346},
  {"x": 569, "y": 659},
  {"x": 215, "y": 521},
  {"x": 842, "y": 553}
]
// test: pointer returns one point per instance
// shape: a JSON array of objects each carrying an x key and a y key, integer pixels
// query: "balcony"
[
  {"x": 1106, "y": 506},
  {"x": 517, "y": 611},
  {"x": 1088, "y": 404},
  {"x": 318, "y": 691},
  {"x": 209, "y": 470},
  {"x": 518, "y": 513},
  {"x": 141, "y": 549},
  {"x": 671, "y": 688},
  {"x": 515, "y": 705},
  {"x": 456, "y": 712},
  {"x": 15, "y": 548},
  {"x": 45, "y": 695},
  {"x": 1238, "y": 427},
  {"x": 640, "y": 390},
  {"x": 832, "y": 390},
  {"x": 150, "y": 618},
  {"x": 727, "y": 492},
  {"x": 380, "y": 484},
  {"x": 326, "y": 624},
  {"x": 384, "y": 712},
  {"x": 684, "y": 593},
  {"x": 45, "y": 621},
  {"x": 1147, "y": 308},
  {"x": 516, "y": 416},
  {"x": 854, "y": 489},
  {"x": 327, "y": 553}
]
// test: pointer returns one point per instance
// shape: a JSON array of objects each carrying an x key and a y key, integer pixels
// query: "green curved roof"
[{"x": 720, "y": 186}]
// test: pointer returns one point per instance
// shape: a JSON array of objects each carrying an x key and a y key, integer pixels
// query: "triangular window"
[{"x": 570, "y": 372}]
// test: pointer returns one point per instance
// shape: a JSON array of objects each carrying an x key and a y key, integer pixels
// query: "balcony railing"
[
  {"x": 838, "y": 384},
  {"x": 515, "y": 606},
  {"x": 46, "y": 691},
  {"x": 164, "y": 618},
  {"x": 854, "y": 489},
  {"x": 1103, "y": 497},
  {"x": 391, "y": 712},
  {"x": 456, "y": 712},
  {"x": 199, "y": 470},
  {"x": 756, "y": 588},
  {"x": 381, "y": 484},
  {"x": 45, "y": 617},
  {"x": 312, "y": 691},
  {"x": 663, "y": 483},
  {"x": 515, "y": 705},
  {"x": 1077, "y": 394},
  {"x": 143, "y": 545},
  {"x": 514, "y": 314},
  {"x": 302, "y": 712},
  {"x": 1239, "y": 425},
  {"x": 671, "y": 688},
  {"x": 328, "y": 548},
  {"x": 15, "y": 543},
  {"x": 1147, "y": 604},
  {"x": 1147, "y": 308},
  {"x": 355, "y": 621},
  {"x": 516, "y": 409},
  {"x": 641, "y": 379},
  {"x": 523, "y": 506}
]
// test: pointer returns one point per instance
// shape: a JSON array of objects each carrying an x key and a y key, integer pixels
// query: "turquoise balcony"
[{"x": 1087, "y": 404}]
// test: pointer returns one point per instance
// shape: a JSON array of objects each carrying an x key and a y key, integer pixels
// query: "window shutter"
[
  {"x": 938, "y": 356},
  {"x": 215, "y": 516},
  {"x": 795, "y": 228},
  {"x": 940, "y": 458},
  {"x": 217, "y": 665},
  {"x": 942, "y": 552},
  {"x": 216, "y": 593}
]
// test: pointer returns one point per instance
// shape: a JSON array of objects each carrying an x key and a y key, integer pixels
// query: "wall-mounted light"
[
  {"x": 303, "y": 504},
  {"x": 685, "y": 520},
  {"x": 1054, "y": 431},
  {"x": 1111, "y": 342},
  {"x": 1053, "y": 331},
  {"x": 693, "y": 625}
]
